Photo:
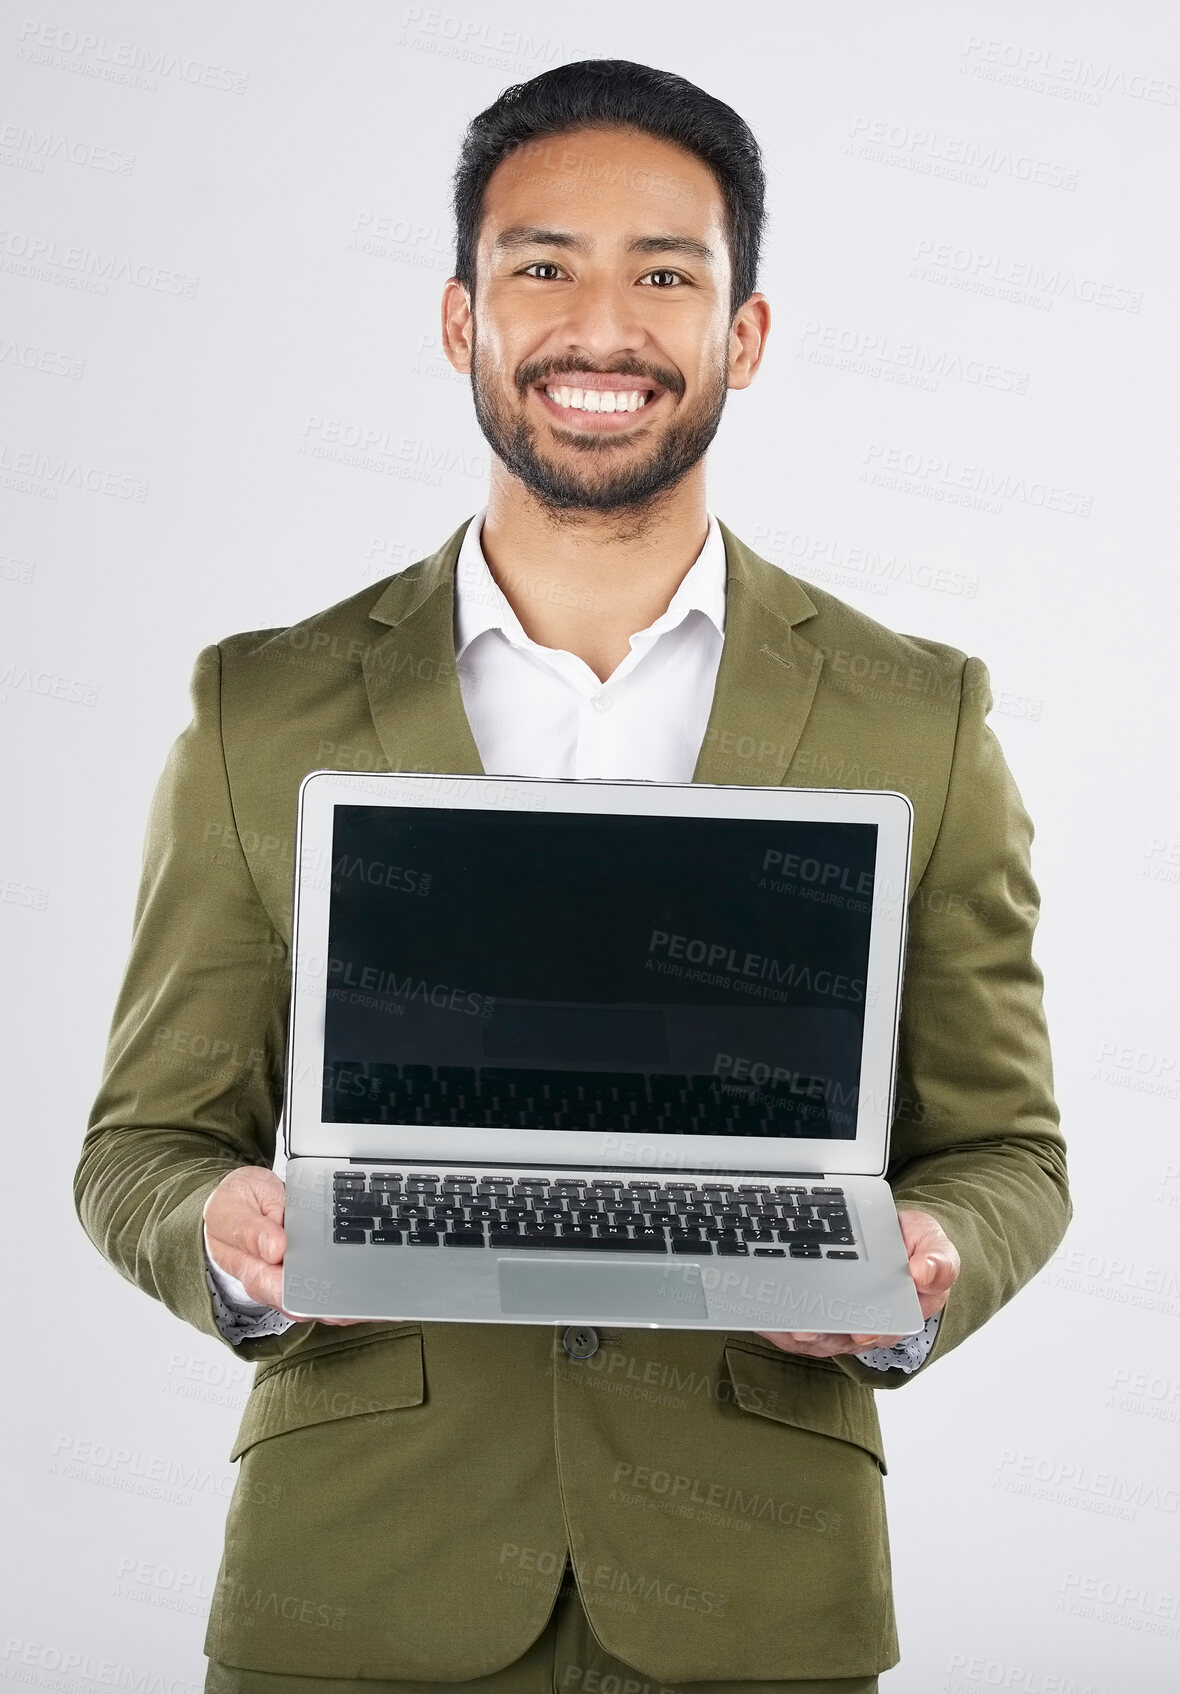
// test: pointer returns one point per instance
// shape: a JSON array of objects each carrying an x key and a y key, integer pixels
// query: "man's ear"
[
  {"x": 747, "y": 340},
  {"x": 457, "y": 326}
]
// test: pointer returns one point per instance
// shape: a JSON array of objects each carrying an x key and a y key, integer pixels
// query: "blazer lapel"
[
  {"x": 410, "y": 674},
  {"x": 765, "y": 683},
  {"x": 767, "y": 677}
]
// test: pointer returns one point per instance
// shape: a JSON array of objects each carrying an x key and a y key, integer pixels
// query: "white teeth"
[{"x": 598, "y": 400}]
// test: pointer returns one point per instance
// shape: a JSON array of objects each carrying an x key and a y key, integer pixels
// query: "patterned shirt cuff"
[
  {"x": 908, "y": 1354},
  {"x": 238, "y": 1317}
]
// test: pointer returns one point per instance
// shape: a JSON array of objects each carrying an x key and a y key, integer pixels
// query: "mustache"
[{"x": 661, "y": 377}]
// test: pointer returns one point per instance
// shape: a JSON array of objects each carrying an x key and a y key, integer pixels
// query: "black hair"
[{"x": 619, "y": 94}]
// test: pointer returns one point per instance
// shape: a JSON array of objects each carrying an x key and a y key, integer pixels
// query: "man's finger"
[
  {"x": 242, "y": 1227},
  {"x": 938, "y": 1272}
]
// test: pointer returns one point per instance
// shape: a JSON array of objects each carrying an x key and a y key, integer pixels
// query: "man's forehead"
[{"x": 663, "y": 187}]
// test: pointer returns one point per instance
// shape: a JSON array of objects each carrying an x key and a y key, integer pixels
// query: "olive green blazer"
[{"x": 408, "y": 1491}]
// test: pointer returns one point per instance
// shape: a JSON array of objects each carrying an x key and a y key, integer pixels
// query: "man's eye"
[
  {"x": 540, "y": 265},
  {"x": 675, "y": 276}
]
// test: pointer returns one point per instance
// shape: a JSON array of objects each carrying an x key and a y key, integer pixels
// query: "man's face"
[{"x": 600, "y": 337}]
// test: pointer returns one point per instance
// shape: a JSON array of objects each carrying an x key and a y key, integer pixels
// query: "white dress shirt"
[{"x": 540, "y": 711}]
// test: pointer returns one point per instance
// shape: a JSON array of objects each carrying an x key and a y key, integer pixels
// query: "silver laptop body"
[{"x": 605, "y": 1052}]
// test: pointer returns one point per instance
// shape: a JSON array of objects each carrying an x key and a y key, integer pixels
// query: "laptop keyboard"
[
  {"x": 499, "y": 1097},
  {"x": 483, "y": 1209}
]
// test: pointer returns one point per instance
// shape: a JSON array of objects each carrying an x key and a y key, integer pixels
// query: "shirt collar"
[{"x": 480, "y": 603}]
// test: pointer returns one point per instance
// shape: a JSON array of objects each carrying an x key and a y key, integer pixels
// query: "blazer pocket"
[
  {"x": 347, "y": 1380},
  {"x": 806, "y": 1394}
]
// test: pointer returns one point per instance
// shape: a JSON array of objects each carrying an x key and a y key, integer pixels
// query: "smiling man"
[{"x": 502, "y": 1507}]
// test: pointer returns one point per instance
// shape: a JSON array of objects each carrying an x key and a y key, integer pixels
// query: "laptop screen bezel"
[{"x": 305, "y": 1132}]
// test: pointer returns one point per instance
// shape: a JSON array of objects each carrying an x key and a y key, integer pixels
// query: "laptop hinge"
[{"x": 585, "y": 1165}]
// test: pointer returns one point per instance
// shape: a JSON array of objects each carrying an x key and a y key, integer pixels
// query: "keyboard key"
[
  {"x": 464, "y": 1238},
  {"x": 733, "y": 1249},
  {"x": 422, "y": 1238},
  {"x": 840, "y": 1253},
  {"x": 353, "y": 1235},
  {"x": 387, "y": 1237},
  {"x": 772, "y": 1253},
  {"x": 597, "y": 1244},
  {"x": 804, "y": 1250},
  {"x": 680, "y": 1244}
]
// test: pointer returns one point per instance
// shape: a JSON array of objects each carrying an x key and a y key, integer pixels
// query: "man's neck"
[{"x": 586, "y": 581}]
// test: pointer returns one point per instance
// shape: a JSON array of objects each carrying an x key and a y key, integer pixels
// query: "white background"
[{"x": 294, "y": 158}]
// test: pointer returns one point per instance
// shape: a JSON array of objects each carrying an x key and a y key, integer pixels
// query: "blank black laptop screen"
[{"x": 567, "y": 971}]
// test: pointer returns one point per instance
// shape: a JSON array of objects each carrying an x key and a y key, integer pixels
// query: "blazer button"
[{"x": 580, "y": 1343}]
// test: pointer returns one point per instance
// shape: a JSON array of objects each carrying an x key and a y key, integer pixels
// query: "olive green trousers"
[{"x": 566, "y": 1658}]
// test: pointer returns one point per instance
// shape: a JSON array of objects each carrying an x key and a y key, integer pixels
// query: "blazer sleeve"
[
  {"x": 191, "y": 1084},
  {"x": 976, "y": 1141}
]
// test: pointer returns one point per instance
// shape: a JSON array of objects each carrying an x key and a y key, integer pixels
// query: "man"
[{"x": 506, "y": 1507}]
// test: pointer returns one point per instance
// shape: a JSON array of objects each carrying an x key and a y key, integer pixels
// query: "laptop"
[{"x": 593, "y": 1051}]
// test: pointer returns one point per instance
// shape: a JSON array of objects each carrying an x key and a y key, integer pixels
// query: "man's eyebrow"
[{"x": 531, "y": 235}]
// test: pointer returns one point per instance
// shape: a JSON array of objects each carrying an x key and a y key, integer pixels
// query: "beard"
[{"x": 610, "y": 473}]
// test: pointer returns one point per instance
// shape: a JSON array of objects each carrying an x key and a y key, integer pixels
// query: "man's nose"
[{"x": 604, "y": 320}]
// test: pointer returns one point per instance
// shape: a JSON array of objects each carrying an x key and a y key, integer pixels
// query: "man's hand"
[
  {"x": 934, "y": 1266},
  {"x": 244, "y": 1223}
]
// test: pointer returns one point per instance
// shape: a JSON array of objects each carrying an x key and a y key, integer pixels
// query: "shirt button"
[
  {"x": 580, "y": 1343},
  {"x": 602, "y": 702}
]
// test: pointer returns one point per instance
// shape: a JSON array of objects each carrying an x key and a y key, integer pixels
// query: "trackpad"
[{"x": 611, "y": 1292}]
